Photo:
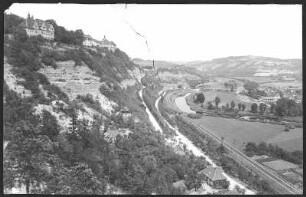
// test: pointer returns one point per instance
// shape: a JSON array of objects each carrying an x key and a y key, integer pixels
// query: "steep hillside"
[
  {"x": 244, "y": 65},
  {"x": 74, "y": 122}
]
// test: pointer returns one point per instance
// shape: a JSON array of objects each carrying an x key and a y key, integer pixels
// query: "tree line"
[{"x": 263, "y": 148}]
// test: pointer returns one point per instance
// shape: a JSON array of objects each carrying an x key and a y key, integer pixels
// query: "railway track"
[
  {"x": 284, "y": 184},
  {"x": 289, "y": 187}
]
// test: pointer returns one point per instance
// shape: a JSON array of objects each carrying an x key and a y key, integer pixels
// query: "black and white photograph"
[{"x": 152, "y": 99}]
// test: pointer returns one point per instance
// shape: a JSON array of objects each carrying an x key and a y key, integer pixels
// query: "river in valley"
[{"x": 182, "y": 105}]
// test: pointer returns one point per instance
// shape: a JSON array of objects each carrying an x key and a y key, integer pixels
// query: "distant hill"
[
  {"x": 244, "y": 65},
  {"x": 170, "y": 71}
]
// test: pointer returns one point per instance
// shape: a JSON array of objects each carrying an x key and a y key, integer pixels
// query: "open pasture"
[
  {"x": 284, "y": 84},
  {"x": 225, "y": 97},
  {"x": 223, "y": 80},
  {"x": 257, "y": 79},
  {"x": 238, "y": 133}
]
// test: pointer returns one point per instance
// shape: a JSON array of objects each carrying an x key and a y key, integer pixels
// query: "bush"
[
  {"x": 67, "y": 37},
  {"x": 89, "y": 100},
  {"x": 48, "y": 59},
  {"x": 57, "y": 91}
]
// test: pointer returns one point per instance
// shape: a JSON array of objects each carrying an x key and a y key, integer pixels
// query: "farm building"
[
  {"x": 214, "y": 177},
  {"x": 280, "y": 165}
]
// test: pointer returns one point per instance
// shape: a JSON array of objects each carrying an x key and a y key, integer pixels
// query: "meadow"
[
  {"x": 258, "y": 79},
  {"x": 284, "y": 84},
  {"x": 225, "y": 97},
  {"x": 238, "y": 133}
]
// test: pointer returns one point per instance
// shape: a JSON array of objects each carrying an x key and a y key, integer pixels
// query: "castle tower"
[{"x": 27, "y": 19}]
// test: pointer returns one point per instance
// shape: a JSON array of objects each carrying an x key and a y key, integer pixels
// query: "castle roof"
[
  {"x": 106, "y": 42},
  {"x": 30, "y": 23}
]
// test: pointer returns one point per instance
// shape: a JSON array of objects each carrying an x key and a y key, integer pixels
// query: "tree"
[
  {"x": 49, "y": 125},
  {"x": 254, "y": 108},
  {"x": 262, "y": 108},
  {"x": 281, "y": 108},
  {"x": 26, "y": 155},
  {"x": 233, "y": 105},
  {"x": 262, "y": 148},
  {"x": 250, "y": 147},
  {"x": 217, "y": 101},
  {"x": 210, "y": 105},
  {"x": 149, "y": 163},
  {"x": 78, "y": 179},
  {"x": 67, "y": 37},
  {"x": 243, "y": 107},
  {"x": 239, "y": 106},
  {"x": 227, "y": 106},
  {"x": 272, "y": 108},
  {"x": 200, "y": 98},
  {"x": 237, "y": 188}
]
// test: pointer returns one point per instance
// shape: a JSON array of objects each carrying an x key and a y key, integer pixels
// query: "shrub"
[
  {"x": 57, "y": 91},
  {"x": 67, "y": 37},
  {"x": 48, "y": 59},
  {"x": 89, "y": 100}
]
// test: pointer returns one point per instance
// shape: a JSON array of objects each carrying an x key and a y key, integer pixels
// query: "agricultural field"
[
  {"x": 237, "y": 133},
  {"x": 258, "y": 79},
  {"x": 223, "y": 80},
  {"x": 284, "y": 84}
]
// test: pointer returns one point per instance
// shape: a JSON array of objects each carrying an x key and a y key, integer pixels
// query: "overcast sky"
[{"x": 183, "y": 32}]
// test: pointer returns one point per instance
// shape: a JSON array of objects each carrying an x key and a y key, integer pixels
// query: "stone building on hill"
[
  {"x": 108, "y": 44},
  {"x": 91, "y": 42},
  {"x": 35, "y": 27}
]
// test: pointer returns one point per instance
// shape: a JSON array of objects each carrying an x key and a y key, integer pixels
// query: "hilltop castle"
[
  {"x": 90, "y": 42},
  {"x": 35, "y": 27}
]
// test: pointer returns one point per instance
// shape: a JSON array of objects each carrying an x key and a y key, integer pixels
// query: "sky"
[{"x": 182, "y": 32}]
